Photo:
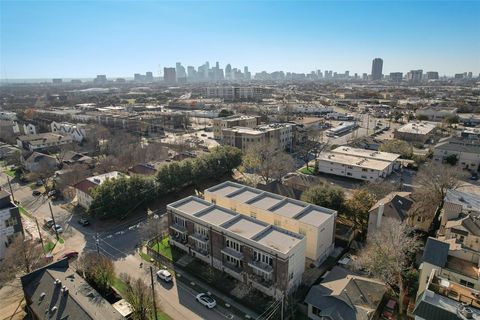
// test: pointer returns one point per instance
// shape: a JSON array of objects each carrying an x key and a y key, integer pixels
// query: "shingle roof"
[
  {"x": 85, "y": 186},
  {"x": 436, "y": 252}
]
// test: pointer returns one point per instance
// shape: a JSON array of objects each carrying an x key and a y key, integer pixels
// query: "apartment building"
[
  {"x": 230, "y": 93},
  {"x": 10, "y": 222},
  {"x": 466, "y": 151},
  {"x": 278, "y": 134},
  {"x": 233, "y": 121},
  {"x": 269, "y": 258},
  {"x": 357, "y": 163},
  {"x": 84, "y": 188},
  {"x": 76, "y": 131},
  {"x": 415, "y": 131},
  {"x": 42, "y": 141},
  {"x": 316, "y": 223}
]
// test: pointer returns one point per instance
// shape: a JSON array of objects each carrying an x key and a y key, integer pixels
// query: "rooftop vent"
[
  {"x": 42, "y": 295},
  {"x": 54, "y": 308},
  {"x": 57, "y": 282}
]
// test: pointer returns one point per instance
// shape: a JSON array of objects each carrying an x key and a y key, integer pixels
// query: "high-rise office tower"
[
  {"x": 180, "y": 72},
  {"x": 415, "y": 76},
  {"x": 377, "y": 66},
  {"x": 228, "y": 72},
  {"x": 191, "y": 74},
  {"x": 149, "y": 76},
  {"x": 246, "y": 74},
  {"x": 169, "y": 75},
  {"x": 396, "y": 76},
  {"x": 432, "y": 75},
  {"x": 365, "y": 76}
]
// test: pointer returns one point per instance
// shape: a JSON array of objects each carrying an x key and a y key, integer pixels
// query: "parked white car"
[
  {"x": 58, "y": 227},
  {"x": 206, "y": 300},
  {"x": 164, "y": 275}
]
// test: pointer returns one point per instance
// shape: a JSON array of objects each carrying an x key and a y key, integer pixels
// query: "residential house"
[
  {"x": 29, "y": 129},
  {"x": 395, "y": 206},
  {"x": 72, "y": 157},
  {"x": 316, "y": 223},
  {"x": 466, "y": 151},
  {"x": 10, "y": 222},
  {"x": 443, "y": 299},
  {"x": 42, "y": 141},
  {"x": 344, "y": 295},
  {"x": 359, "y": 164},
  {"x": 7, "y": 150},
  {"x": 76, "y": 131},
  {"x": 84, "y": 187},
  {"x": 142, "y": 169},
  {"x": 57, "y": 291},
  {"x": 267, "y": 257},
  {"x": 38, "y": 162}
]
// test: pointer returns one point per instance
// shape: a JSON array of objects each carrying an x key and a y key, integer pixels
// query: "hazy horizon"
[{"x": 49, "y": 39}]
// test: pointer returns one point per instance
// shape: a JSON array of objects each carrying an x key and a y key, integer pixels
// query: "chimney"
[{"x": 380, "y": 210}]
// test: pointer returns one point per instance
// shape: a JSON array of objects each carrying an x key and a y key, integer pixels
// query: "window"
[
  {"x": 253, "y": 215},
  {"x": 179, "y": 221},
  {"x": 201, "y": 230},
  {"x": 262, "y": 257},
  {"x": 466, "y": 283},
  {"x": 277, "y": 222},
  {"x": 316, "y": 311},
  {"x": 10, "y": 222},
  {"x": 234, "y": 245},
  {"x": 233, "y": 260},
  {"x": 364, "y": 170}
]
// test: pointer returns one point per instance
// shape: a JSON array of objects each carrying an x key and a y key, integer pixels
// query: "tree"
[
  {"x": 422, "y": 117},
  {"x": 380, "y": 189},
  {"x": 451, "y": 159},
  {"x": 21, "y": 257},
  {"x": 138, "y": 294},
  {"x": 267, "y": 161},
  {"x": 358, "y": 206},
  {"x": 154, "y": 227},
  {"x": 312, "y": 147},
  {"x": 325, "y": 195},
  {"x": 98, "y": 270},
  {"x": 398, "y": 146},
  {"x": 389, "y": 254},
  {"x": 225, "y": 113}
]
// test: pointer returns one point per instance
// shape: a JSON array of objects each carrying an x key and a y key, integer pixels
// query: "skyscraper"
[
  {"x": 180, "y": 73},
  {"x": 377, "y": 66},
  {"x": 169, "y": 75},
  {"x": 228, "y": 72},
  {"x": 149, "y": 76}
]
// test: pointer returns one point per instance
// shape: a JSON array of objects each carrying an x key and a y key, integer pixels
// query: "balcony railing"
[
  {"x": 266, "y": 283},
  {"x": 199, "y": 237},
  {"x": 203, "y": 252},
  {"x": 232, "y": 253},
  {"x": 264, "y": 267},
  {"x": 232, "y": 267},
  {"x": 179, "y": 228}
]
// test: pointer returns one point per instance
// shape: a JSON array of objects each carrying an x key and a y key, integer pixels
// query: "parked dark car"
[
  {"x": 48, "y": 223},
  {"x": 84, "y": 222},
  {"x": 36, "y": 193},
  {"x": 474, "y": 176}
]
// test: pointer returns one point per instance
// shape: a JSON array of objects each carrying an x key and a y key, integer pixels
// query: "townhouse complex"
[
  {"x": 269, "y": 258},
  {"x": 277, "y": 134}
]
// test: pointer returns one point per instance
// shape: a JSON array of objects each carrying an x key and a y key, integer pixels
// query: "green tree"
[
  {"x": 225, "y": 113},
  {"x": 451, "y": 159},
  {"x": 325, "y": 195},
  {"x": 398, "y": 146},
  {"x": 98, "y": 270},
  {"x": 358, "y": 206}
]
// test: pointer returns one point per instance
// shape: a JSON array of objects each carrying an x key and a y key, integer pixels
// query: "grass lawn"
[
  {"x": 49, "y": 246},
  {"x": 10, "y": 173},
  {"x": 145, "y": 256},
  {"x": 164, "y": 248},
  {"x": 304, "y": 170},
  {"x": 24, "y": 212},
  {"x": 163, "y": 316},
  {"x": 119, "y": 285}
]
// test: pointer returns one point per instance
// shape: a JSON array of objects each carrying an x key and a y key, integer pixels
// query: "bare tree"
[
  {"x": 154, "y": 227},
  {"x": 138, "y": 294},
  {"x": 312, "y": 147},
  {"x": 267, "y": 161},
  {"x": 21, "y": 257},
  {"x": 98, "y": 270},
  {"x": 389, "y": 254}
]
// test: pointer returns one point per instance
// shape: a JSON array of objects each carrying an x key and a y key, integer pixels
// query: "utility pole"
[
  {"x": 40, "y": 235},
  {"x": 153, "y": 295},
  {"x": 11, "y": 190},
  {"x": 53, "y": 219},
  {"x": 281, "y": 310},
  {"x": 97, "y": 243}
]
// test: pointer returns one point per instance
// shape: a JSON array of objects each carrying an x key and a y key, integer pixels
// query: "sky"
[{"x": 80, "y": 39}]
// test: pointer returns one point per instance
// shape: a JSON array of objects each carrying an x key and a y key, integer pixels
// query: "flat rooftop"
[
  {"x": 245, "y": 227},
  {"x": 243, "y": 195},
  {"x": 102, "y": 177},
  {"x": 191, "y": 205},
  {"x": 313, "y": 216},
  {"x": 275, "y": 239},
  {"x": 288, "y": 208},
  {"x": 351, "y": 160},
  {"x": 369, "y": 154},
  {"x": 265, "y": 201},
  {"x": 468, "y": 201},
  {"x": 417, "y": 128},
  {"x": 216, "y": 215}
]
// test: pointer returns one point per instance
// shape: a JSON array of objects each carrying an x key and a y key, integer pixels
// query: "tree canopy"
[
  {"x": 398, "y": 146},
  {"x": 325, "y": 195}
]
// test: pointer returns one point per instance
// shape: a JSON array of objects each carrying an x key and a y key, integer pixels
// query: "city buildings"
[
  {"x": 377, "y": 66},
  {"x": 415, "y": 131},
  {"x": 84, "y": 188},
  {"x": 316, "y": 223},
  {"x": 229, "y": 93},
  {"x": 233, "y": 121},
  {"x": 42, "y": 141},
  {"x": 345, "y": 295},
  {"x": 268, "y": 258},
  {"x": 358, "y": 163},
  {"x": 396, "y": 76},
  {"x": 415, "y": 76},
  {"x": 100, "y": 79},
  {"x": 432, "y": 75},
  {"x": 466, "y": 152},
  {"x": 277, "y": 134},
  {"x": 10, "y": 222},
  {"x": 436, "y": 113},
  {"x": 57, "y": 291},
  {"x": 76, "y": 131}
]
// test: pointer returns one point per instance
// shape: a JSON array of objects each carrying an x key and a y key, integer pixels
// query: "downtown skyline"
[{"x": 79, "y": 40}]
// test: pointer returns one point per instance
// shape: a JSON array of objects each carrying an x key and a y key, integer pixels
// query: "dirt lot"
[{"x": 11, "y": 295}]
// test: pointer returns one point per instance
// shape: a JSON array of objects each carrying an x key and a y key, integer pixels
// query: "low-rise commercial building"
[
  {"x": 278, "y": 134},
  {"x": 358, "y": 163},
  {"x": 10, "y": 222},
  {"x": 466, "y": 152},
  {"x": 436, "y": 113},
  {"x": 42, "y": 141},
  {"x": 233, "y": 121},
  {"x": 269, "y": 258},
  {"x": 415, "y": 131},
  {"x": 84, "y": 187},
  {"x": 316, "y": 223}
]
